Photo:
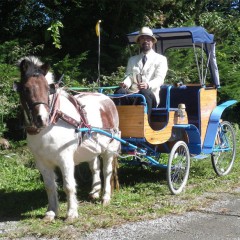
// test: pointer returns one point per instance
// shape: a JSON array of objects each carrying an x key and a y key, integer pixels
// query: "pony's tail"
[{"x": 114, "y": 177}]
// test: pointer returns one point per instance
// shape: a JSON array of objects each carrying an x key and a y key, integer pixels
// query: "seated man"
[{"x": 145, "y": 72}]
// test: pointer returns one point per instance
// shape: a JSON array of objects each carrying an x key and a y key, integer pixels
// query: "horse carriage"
[{"x": 186, "y": 124}]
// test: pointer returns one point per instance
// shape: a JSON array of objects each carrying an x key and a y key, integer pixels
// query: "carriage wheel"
[
  {"x": 178, "y": 167},
  {"x": 224, "y": 150}
]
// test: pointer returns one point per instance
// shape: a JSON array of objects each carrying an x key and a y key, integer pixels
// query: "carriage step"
[{"x": 201, "y": 156}]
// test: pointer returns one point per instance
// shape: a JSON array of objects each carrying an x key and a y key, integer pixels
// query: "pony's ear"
[
  {"x": 45, "y": 68},
  {"x": 52, "y": 88},
  {"x": 17, "y": 86}
]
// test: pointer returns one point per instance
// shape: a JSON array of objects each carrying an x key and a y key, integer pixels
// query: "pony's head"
[{"x": 34, "y": 90}]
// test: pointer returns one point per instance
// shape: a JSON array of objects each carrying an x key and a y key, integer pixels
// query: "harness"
[{"x": 55, "y": 113}]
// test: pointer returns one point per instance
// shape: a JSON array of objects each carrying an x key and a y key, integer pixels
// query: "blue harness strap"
[
  {"x": 213, "y": 126},
  {"x": 192, "y": 131}
]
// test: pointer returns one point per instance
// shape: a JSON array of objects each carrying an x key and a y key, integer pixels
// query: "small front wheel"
[
  {"x": 178, "y": 167},
  {"x": 224, "y": 150}
]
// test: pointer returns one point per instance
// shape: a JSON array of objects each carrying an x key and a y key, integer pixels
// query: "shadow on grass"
[
  {"x": 128, "y": 175},
  {"x": 131, "y": 175},
  {"x": 17, "y": 205}
]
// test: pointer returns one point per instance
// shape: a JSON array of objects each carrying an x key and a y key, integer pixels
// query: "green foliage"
[
  {"x": 182, "y": 66},
  {"x": 36, "y": 28},
  {"x": 70, "y": 67},
  {"x": 23, "y": 27},
  {"x": 19, "y": 171},
  {"x": 115, "y": 78},
  {"x": 54, "y": 30},
  {"x": 10, "y": 52},
  {"x": 8, "y": 106}
]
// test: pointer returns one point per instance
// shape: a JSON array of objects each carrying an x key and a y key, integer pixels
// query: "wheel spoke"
[
  {"x": 224, "y": 151},
  {"x": 178, "y": 167}
]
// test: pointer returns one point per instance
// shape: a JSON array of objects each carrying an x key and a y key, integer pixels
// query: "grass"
[{"x": 143, "y": 195}]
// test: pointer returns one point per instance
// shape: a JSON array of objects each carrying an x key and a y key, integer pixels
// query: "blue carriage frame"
[
  {"x": 199, "y": 141},
  {"x": 191, "y": 37}
]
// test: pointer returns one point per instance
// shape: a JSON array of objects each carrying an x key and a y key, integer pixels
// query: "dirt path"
[{"x": 219, "y": 221}]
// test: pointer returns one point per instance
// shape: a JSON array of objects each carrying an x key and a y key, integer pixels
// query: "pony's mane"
[{"x": 37, "y": 62}]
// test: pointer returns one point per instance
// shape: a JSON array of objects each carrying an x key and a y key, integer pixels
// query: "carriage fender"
[
  {"x": 194, "y": 140},
  {"x": 213, "y": 126}
]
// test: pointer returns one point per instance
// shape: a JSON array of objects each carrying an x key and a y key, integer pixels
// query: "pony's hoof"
[
  {"x": 49, "y": 217},
  {"x": 94, "y": 196},
  {"x": 71, "y": 219},
  {"x": 72, "y": 215},
  {"x": 105, "y": 202}
]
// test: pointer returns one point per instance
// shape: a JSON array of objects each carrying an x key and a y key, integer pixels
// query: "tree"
[{"x": 24, "y": 30}]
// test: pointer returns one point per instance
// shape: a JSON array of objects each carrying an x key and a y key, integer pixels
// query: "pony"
[{"x": 52, "y": 116}]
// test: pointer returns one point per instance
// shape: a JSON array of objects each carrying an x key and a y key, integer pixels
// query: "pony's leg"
[
  {"x": 48, "y": 175},
  {"x": 107, "y": 174},
  {"x": 69, "y": 186},
  {"x": 96, "y": 180}
]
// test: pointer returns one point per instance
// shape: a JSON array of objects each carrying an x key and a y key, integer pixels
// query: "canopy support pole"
[{"x": 198, "y": 68}]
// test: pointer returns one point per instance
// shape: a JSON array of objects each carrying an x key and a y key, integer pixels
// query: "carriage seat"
[
  {"x": 171, "y": 97},
  {"x": 189, "y": 95}
]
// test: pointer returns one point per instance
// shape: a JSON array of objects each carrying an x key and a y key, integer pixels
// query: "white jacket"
[{"x": 153, "y": 72}]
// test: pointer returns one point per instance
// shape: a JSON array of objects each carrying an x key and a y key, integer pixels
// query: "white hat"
[{"x": 146, "y": 31}]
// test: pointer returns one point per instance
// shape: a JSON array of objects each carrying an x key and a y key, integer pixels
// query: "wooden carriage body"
[
  {"x": 198, "y": 125},
  {"x": 199, "y": 103}
]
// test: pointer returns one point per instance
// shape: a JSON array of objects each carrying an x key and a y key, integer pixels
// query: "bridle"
[
  {"x": 37, "y": 103},
  {"x": 28, "y": 107},
  {"x": 54, "y": 113}
]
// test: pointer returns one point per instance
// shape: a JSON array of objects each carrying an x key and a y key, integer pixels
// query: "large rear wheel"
[
  {"x": 178, "y": 167},
  {"x": 224, "y": 150}
]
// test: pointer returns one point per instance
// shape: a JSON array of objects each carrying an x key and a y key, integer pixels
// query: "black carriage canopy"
[{"x": 183, "y": 37}]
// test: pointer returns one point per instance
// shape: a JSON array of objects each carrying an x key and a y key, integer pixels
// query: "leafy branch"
[{"x": 55, "y": 34}]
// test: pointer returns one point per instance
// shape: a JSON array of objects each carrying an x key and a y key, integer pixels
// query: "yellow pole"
[{"x": 98, "y": 33}]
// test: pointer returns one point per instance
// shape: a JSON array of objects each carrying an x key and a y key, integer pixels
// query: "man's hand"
[
  {"x": 123, "y": 85},
  {"x": 143, "y": 85}
]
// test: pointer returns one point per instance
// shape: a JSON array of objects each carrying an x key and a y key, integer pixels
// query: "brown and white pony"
[{"x": 52, "y": 117}]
